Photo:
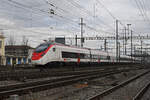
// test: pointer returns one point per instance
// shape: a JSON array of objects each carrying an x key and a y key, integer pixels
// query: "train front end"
[{"x": 39, "y": 54}]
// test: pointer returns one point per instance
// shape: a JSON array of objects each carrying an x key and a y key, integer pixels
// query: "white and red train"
[{"x": 53, "y": 53}]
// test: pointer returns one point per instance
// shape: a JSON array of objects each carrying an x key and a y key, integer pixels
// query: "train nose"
[{"x": 37, "y": 56}]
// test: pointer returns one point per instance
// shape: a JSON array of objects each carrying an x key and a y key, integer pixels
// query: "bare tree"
[
  {"x": 25, "y": 41},
  {"x": 11, "y": 40}
]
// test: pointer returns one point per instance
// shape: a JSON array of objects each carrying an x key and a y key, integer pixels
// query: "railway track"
[
  {"x": 17, "y": 67},
  {"x": 105, "y": 94},
  {"x": 36, "y": 86},
  {"x": 38, "y": 74},
  {"x": 32, "y": 67},
  {"x": 140, "y": 95},
  {"x": 34, "y": 74}
]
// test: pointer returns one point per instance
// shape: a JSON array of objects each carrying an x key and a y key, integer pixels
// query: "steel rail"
[
  {"x": 111, "y": 90},
  {"x": 38, "y": 74},
  {"x": 49, "y": 84},
  {"x": 142, "y": 92}
]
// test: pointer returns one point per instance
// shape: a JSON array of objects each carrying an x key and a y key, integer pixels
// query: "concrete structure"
[
  {"x": 18, "y": 54},
  {"x": 2, "y": 50}
]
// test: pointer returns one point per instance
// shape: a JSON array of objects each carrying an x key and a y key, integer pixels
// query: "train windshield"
[{"x": 42, "y": 47}]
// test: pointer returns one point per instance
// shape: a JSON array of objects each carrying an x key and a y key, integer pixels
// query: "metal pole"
[
  {"x": 76, "y": 43},
  {"x": 105, "y": 45},
  {"x": 128, "y": 29},
  {"x": 134, "y": 53},
  {"x": 116, "y": 40},
  {"x": 131, "y": 43},
  {"x": 125, "y": 41},
  {"x": 134, "y": 49},
  {"x": 81, "y": 32},
  {"x": 119, "y": 51},
  {"x": 141, "y": 49}
]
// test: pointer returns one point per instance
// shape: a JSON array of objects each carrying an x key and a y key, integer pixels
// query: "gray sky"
[{"x": 31, "y": 18}]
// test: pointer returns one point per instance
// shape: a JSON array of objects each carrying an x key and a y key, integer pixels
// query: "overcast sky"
[{"x": 31, "y": 18}]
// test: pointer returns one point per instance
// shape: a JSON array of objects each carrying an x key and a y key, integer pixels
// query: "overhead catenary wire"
[
  {"x": 110, "y": 13},
  {"x": 106, "y": 9},
  {"x": 86, "y": 11},
  {"x": 29, "y": 7},
  {"x": 68, "y": 21},
  {"x": 142, "y": 10},
  {"x": 76, "y": 21},
  {"x": 17, "y": 5},
  {"x": 64, "y": 11},
  {"x": 25, "y": 7}
]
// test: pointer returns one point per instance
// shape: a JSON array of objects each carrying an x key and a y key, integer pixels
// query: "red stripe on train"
[{"x": 37, "y": 56}]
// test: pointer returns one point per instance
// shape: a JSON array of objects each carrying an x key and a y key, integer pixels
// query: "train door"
[
  {"x": 57, "y": 53},
  {"x": 54, "y": 54}
]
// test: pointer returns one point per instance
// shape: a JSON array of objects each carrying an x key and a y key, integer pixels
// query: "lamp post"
[{"x": 117, "y": 40}]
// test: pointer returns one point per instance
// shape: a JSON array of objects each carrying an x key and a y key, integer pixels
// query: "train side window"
[
  {"x": 69, "y": 55},
  {"x": 54, "y": 49}
]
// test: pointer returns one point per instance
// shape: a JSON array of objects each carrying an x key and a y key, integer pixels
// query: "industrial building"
[
  {"x": 2, "y": 50},
  {"x": 18, "y": 54}
]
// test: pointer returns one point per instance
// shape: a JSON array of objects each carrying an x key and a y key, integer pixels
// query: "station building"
[
  {"x": 2, "y": 50},
  {"x": 18, "y": 54}
]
